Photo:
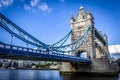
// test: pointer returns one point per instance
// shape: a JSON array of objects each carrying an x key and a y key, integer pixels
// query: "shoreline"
[
  {"x": 91, "y": 74},
  {"x": 26, "y": 69},
  {"x": 35, "y": 69}
]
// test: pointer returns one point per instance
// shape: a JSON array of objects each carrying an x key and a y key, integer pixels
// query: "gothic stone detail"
[{"x": 95, "y": 45}]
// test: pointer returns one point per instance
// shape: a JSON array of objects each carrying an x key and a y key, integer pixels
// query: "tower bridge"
[
  {"x": 95, "y": 45},
  {"x": 85, "y": 38}
]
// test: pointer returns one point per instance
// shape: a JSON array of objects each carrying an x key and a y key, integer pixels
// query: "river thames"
[{"x": 44, "y": 75}]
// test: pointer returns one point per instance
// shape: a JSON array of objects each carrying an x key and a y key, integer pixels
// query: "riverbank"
[
  {"x": 36, "y": 69},
  {"x": 91, "y": 74},
  {"x": 27, "y": 69}
]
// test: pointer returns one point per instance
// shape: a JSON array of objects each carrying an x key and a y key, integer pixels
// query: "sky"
[{"x": 49, "y": 20}]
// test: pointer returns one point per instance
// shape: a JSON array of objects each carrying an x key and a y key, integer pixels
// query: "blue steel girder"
[{"x": 17, "y": 52}]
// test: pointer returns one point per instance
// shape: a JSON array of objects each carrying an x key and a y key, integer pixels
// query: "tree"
[{"x": 0, "y": 64}]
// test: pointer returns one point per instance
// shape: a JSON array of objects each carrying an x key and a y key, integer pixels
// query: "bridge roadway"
[{"x": 17, "y": 52}]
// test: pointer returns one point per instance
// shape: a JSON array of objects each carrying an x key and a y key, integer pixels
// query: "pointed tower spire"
[
  {"x": 72, "y": 19},
  {"x": 71, "y": 15},
  {"x": 89, "y": 14},
  {"x": 89, "y": 11}
]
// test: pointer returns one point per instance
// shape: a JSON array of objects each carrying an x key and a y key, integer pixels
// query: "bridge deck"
[{"x": 17, "y": 52}]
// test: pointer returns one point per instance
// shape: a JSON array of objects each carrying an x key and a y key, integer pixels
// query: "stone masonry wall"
[{"x": 102, "y": 65}]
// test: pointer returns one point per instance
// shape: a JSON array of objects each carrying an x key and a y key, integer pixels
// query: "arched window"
[{"x": 83, "y": 17}]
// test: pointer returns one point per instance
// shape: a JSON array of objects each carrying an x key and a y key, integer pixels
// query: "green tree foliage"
[
  {"x": 0, "y": 64},
  {"x": 43, "y": 65}
]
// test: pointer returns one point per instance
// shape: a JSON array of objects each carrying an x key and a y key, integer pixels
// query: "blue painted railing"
[{"x": 17, "y": 51}]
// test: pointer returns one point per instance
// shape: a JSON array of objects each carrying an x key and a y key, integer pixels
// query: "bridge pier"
[
  {"x": 75, "y": 67},
  {"x": 67, "y": 67},
  {"x": 103, "y": 65},
  {"x": 97, "y": 67}
]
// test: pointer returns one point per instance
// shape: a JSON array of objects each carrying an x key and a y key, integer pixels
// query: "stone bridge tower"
[
  {"x": 78, "y": 26},
  {"x": 95, "y": 45}
]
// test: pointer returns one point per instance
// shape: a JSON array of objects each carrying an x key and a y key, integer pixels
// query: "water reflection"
[
  {"x": 44, "y": 75},
  {"x": 29, "y": 75}
]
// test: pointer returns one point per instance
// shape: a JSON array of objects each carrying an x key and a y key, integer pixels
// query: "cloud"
[
  {"x": 113, "y": 49},
  {"x": 44, "y": 7},
  {"x": 26, "y": 7},
  {"x": 34, "y": 3},
  {"x": 5, "y": 3},
  {"x": 30, "y": 5}
]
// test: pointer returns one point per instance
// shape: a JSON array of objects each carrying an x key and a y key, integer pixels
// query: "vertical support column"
[
  {"x": 91, "y": 42},
  {"x": 27, "y": 43},
  {"x": 12, "y": 37},
  {"x": 106, "y": 48}
]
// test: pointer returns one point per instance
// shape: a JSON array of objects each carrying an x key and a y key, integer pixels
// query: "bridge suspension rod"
[
  {"x": 79, "y": 43},
  {"x": 63, "y": 40}
]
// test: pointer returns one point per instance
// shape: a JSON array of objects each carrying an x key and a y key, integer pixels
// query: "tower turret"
[
  {"x": 72, "y": 19},
  {"x": 81, "y": 14}
]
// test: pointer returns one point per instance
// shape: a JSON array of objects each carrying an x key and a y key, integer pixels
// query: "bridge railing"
[{"x": 40, "y": 53}]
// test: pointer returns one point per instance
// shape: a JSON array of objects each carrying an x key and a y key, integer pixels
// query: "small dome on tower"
[
  {"x": 81, "y": 7},
  {"x": 89, "y": 15}
]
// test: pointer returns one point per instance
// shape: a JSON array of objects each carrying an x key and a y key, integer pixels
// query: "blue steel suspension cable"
[
  {"x": 79, "y": 38},
  {"x": 11, "y": 32},
  {"x": 20, "y": 29},
  {"x": 80, "y": 43},
  {"x": 63, "y": 40}
]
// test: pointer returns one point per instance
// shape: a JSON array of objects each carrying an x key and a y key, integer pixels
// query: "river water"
[{"x": 44, "y": 75}]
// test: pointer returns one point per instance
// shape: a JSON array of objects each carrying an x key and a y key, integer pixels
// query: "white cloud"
[
  {"x": 26, "y": 7},
  {"x": 34, "y": 3},
  {"x": 6, "y": 3},
  {"x": 114, "y": 49},
  {"x": 44, "y": 7},
  {"x": 31, "y": 5}
]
